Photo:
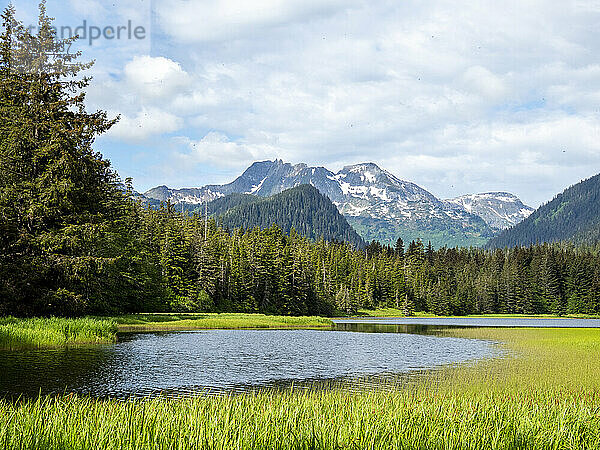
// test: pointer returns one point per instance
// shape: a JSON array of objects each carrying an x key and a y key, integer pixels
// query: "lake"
[
  {"x": 430, "y": 323},
  {"x": 184, "y": 363}
]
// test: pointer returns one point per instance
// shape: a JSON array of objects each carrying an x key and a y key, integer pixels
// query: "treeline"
[
  {"x": 557, "y": 279},
  {"x": 180, "y": 262},
  {"x": 205, "y": 268}
]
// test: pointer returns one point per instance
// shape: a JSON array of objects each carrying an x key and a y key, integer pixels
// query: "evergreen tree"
[
  {"x": 63, "y": 243},
  {"x": 399, "y": 248},
  {"x": 429, "y": 253}
]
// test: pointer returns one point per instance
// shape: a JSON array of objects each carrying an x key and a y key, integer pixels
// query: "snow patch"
[
  {"x": 257, "y": 187},
  {"x": 369, "y": 177},
  {"x": 380, "y": 193}
]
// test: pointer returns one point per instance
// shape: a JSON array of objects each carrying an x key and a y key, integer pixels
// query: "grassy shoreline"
[
  {"x": 55, "y": 332},
  {"x": 204, "y": 321},
  {"x": 545, "y": 394},
  {"x": 63, "y": 332}
]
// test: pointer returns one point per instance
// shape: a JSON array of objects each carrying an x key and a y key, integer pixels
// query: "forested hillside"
[
  {"x": 205, "y": 268},
  {"x": 302, "y": 208},
  {"x": 221, "y": 205},
  {"x": 573, "y": 215}
]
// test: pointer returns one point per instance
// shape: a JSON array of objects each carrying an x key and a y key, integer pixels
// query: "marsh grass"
[
  {"x": 166, "y": 322},
  {"x": 551, "y": 359},
  {"x": 409, "y": 419},
  {"x": 61, "y": 332},
  {"x": 54, "y": 332}
]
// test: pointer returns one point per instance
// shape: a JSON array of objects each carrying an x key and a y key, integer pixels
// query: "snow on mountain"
[
  {"x": 192, "y": 196},
  {"x": 500, "y": 210},
  {"x": 368, "y": 191}
]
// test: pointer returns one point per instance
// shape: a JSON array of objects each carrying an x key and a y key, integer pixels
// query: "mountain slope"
[
  {"x": 500, "y": 210},
  {"x": 378, "y": 204},
  {"x": 221, "y": 205},
  {"x": 571, "y": 215},
  {"x": 302, "y": 208}
]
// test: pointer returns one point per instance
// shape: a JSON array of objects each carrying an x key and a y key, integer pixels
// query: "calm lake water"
[
  {"x": 198, "y": 361},
  {"x": 432, "y": 322}
]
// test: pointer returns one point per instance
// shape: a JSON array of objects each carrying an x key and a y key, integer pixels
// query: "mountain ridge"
[{"x": 500, "y": 210}]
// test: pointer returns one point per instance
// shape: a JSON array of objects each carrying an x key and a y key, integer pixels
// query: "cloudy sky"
[{"x": 459, "y": 97}]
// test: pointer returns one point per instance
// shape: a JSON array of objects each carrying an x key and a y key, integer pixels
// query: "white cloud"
[
  {"x": 209, "y": 20},
  {"x": 156, "y": 77},
  {"x": 147, "y": 123},
  {"x": 486, "y": 83},
  {"x": 536, "y": 159},
  {"x": 485, "y": 96},
  {"x": 217, "y": 149}
]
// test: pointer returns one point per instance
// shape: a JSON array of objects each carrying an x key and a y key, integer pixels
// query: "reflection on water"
[
  {"x": 374, "y": 327},
  {"x": 216, "y": 360}
]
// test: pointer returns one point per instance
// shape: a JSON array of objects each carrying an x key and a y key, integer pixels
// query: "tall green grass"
[
  {"x": 55, "y": 332},
  {"x": 59, "y": 332},
  {"x": 307, "y": 420},
  {"x": 162, "y": 322}
]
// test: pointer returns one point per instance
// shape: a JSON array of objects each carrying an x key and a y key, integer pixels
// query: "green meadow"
[
  {"x": 544, "y": 393},
  {"x": 166, "y": 322}
]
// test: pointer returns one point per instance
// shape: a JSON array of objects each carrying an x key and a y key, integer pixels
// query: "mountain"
[
  {"x": 573, "y": 215},
  {"x": 252, "y": 181},
  {"x": 376, "y": 203},
  {"x": 500, "y": 210},
  {"x": 302, "y": 208}
]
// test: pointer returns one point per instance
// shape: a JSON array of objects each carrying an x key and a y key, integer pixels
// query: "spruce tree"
[
  {"x": 63, "y": 215},
  {"x": 399, "y": 248}
]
